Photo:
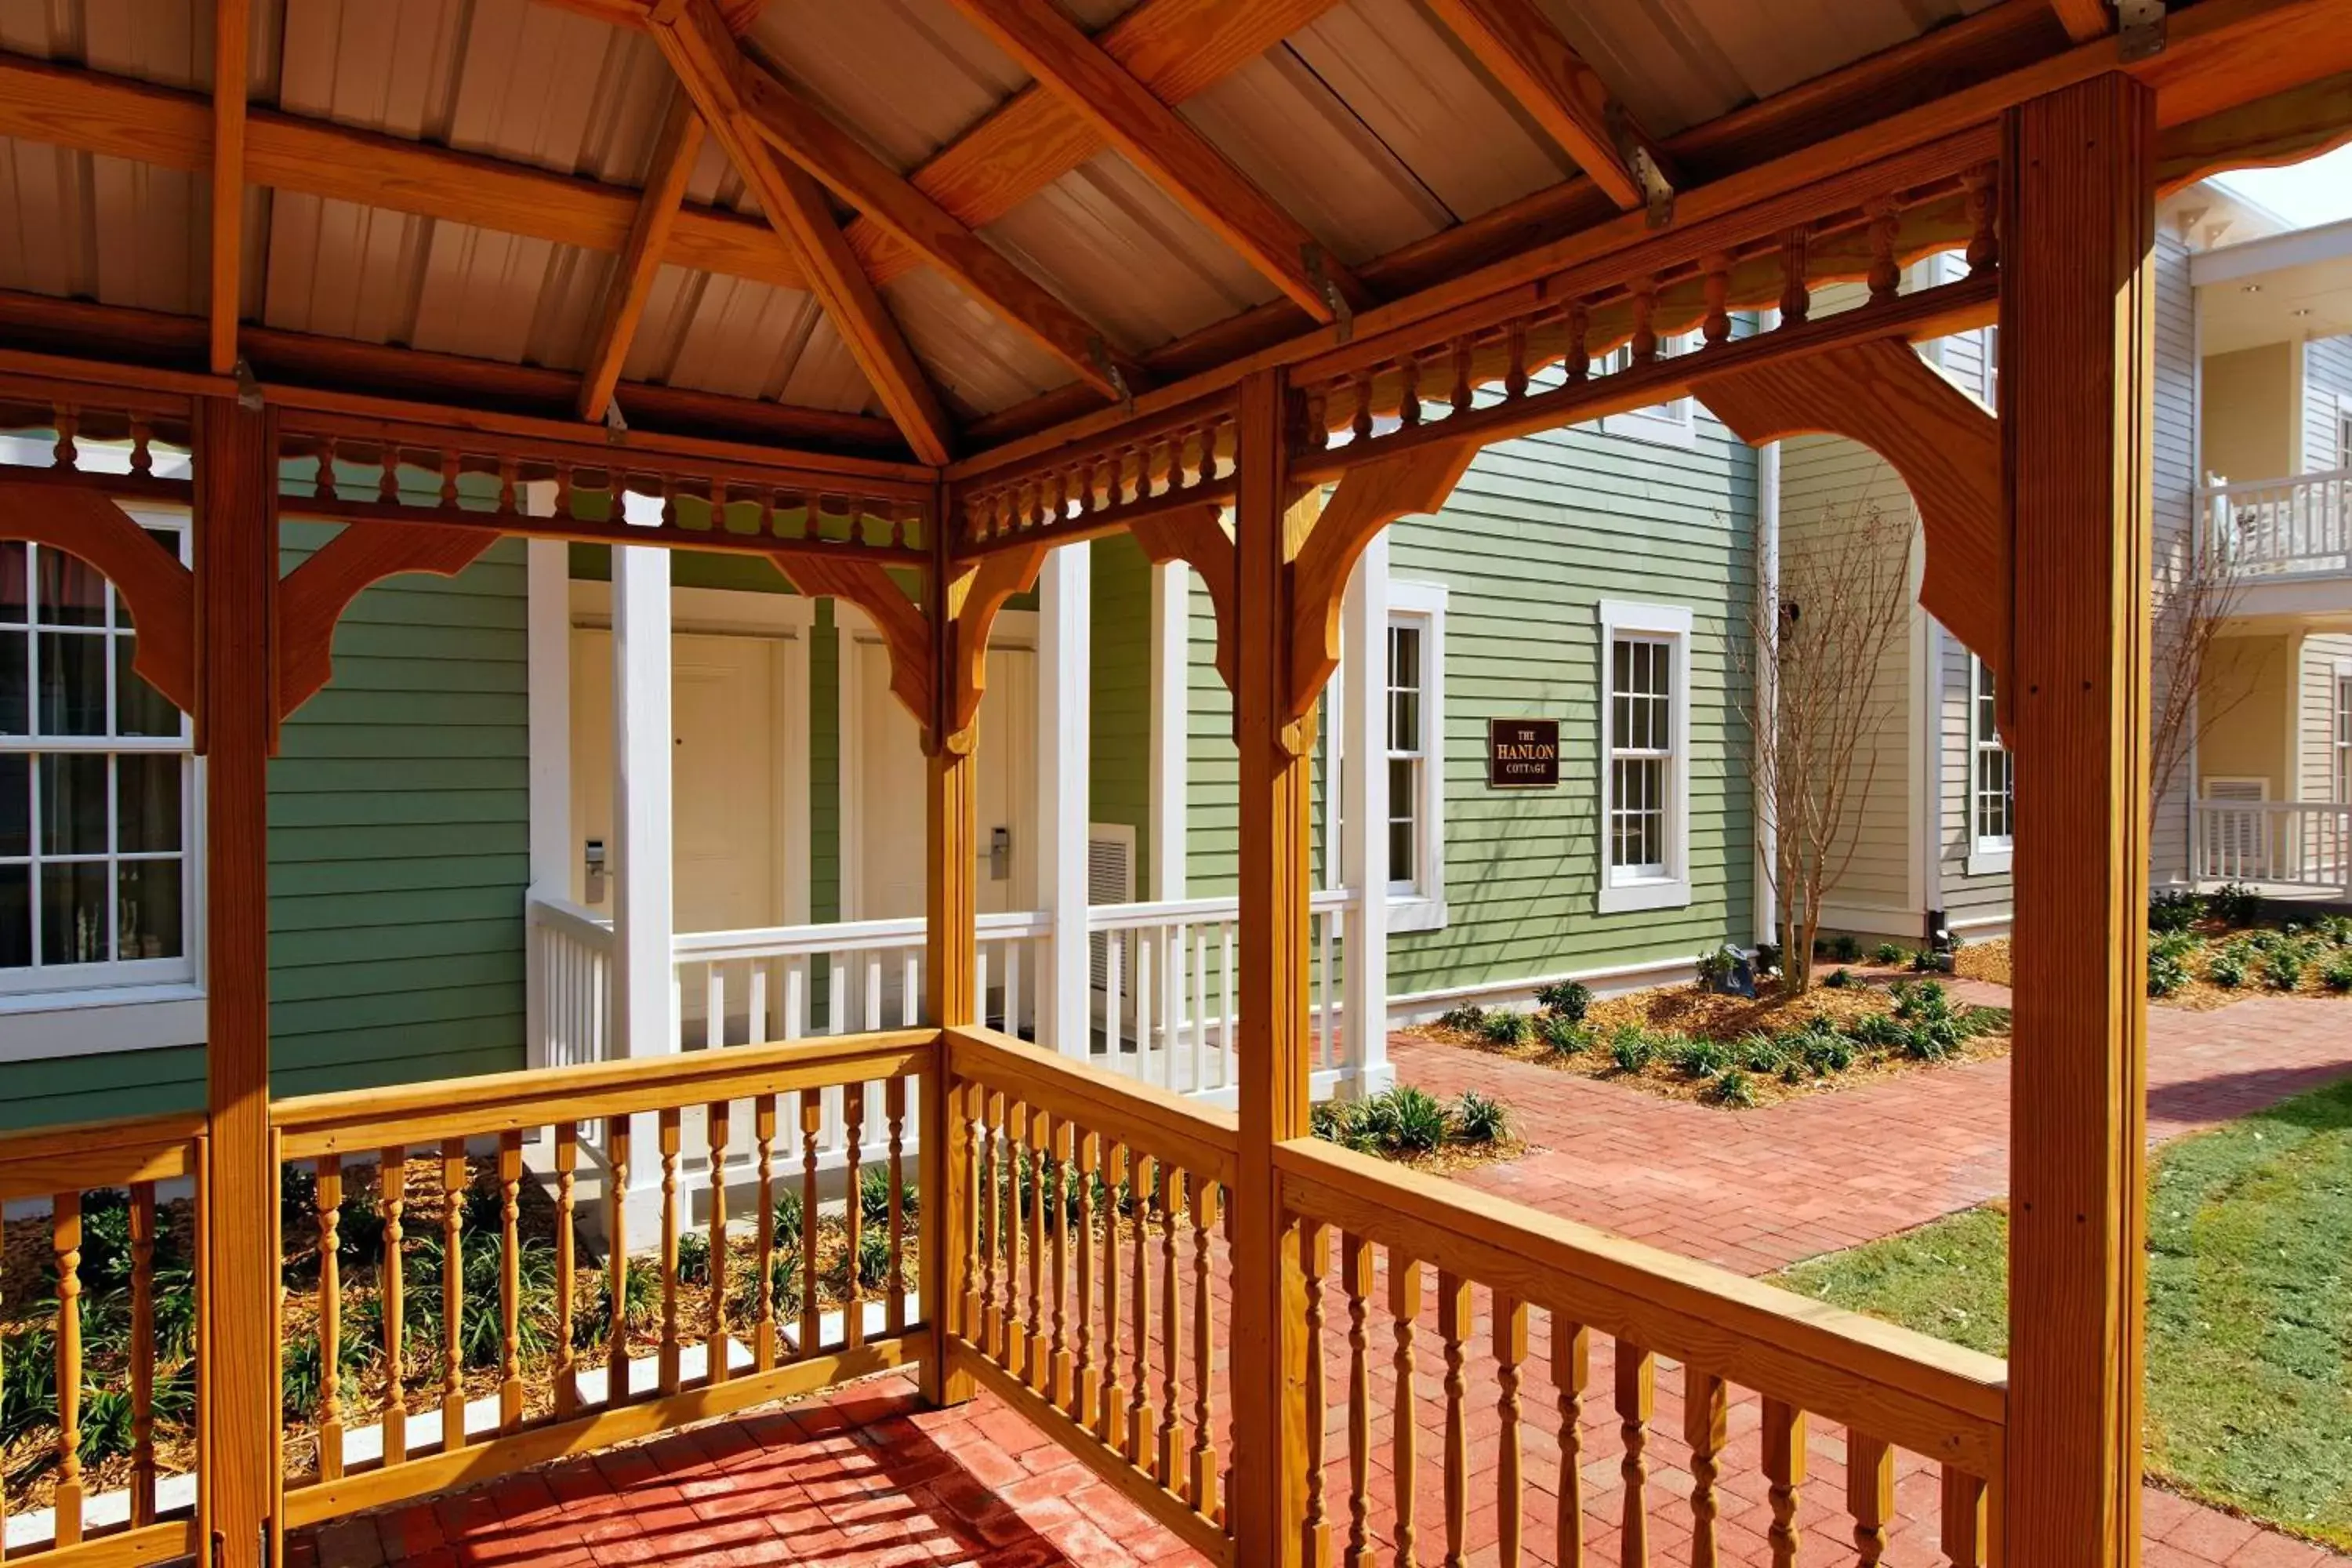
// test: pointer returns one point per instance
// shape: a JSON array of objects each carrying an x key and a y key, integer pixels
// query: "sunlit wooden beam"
[
  {"x": 232, "y": 23},
  {"x": 641, "y": 255},
  {"x": 2083, "y": 19}
]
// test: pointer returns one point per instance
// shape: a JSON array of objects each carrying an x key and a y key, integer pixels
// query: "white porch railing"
[
  {"x": 568, "y": 966},
  {"x": 2284, "y": 527},
  {"x": 2292, "y": 842}
]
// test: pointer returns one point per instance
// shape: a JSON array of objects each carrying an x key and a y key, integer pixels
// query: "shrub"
[
  {"x": 2235, "y": 906},
  {"x": 2227, "y": 967},
  {"x": 2167, "y": 968},
  {"x": 788, "y": 1219},
  {"x": 2337, "y": 975},
  {"x": 1934, "y": 1039},
  {"x": 1419, "y": 1120},
  {"x": 1886, "y": 952},
  {"x": 1563, "y": 1035},
  {"x": 873, "y": 1263},
  {"x": 694, "y": 1258},
  {"x": 1566, "y": 999},
  {"x": 1827, "y": 1051},
  {"x": 2283, "y": 966},
  {"x": 1768, "y": 958},
  {"x": 1630, "y": 1049},
  {"x": 1470, "y": 1018},
  {"x": 874, "y": 1196},
  {"x": 2174, "y": 910},
  {"x": 1927, "y": 961},
  {"x": 1837, "y": 979},
  {"x": 1732, "y": 1088},
  {"x": 1698, "y": 1057},
  {"x": 1846, "y": 948},
  {"x": 2335, "y": 929},
  {"x": 1507, "y": 1028},
  {"x": 1717, "y": 966},
  {"x": 1759, "y": 1052},
  {"x": 1919, "y": 999},
  {"x": 1879, "y": 1032},
  {"x": 1478, "y": 1118}
]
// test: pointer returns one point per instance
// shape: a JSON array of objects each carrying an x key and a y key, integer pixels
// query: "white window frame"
[
  {"x": 1674, "y": 423},
  {"x": 120, "y": 1004},
  {"x": 1620, "y": 891},
  {"x": 1988, "y": 856},
  {"x": 1419, "y": 904},
  {"x": 2343, "y": 748}
]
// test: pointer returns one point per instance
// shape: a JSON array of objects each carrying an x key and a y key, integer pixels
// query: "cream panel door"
[
  {"x": 890, "y": 798},
  {"x": 727, "y": 805}
]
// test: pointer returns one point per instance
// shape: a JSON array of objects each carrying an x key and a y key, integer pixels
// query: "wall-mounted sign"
[{"x": 1522, "y": 754}]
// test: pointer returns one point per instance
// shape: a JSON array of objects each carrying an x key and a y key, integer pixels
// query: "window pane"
[
  {"x": 73, "y": 914},
  {"x": 15, "y": 807},
  {"x": 16, "y": 916},
  {"x": 146, "y": 802},
  {"x": 148, "y": 909},
  {"x": 13, "y": 604},
  {"x": 1404, "y": 656},
  {"x": 68, "y": 591},
  {"x": 1404, "y": 810},
  {"x": 139, "y": 708},
  {"x": 73, "y": 684},
  {"x": 1404, "y": 721},
  {"x": 73, "y": 807},
  {"x": 16, "y": 698}
]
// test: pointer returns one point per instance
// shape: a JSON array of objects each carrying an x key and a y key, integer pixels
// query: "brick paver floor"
[{"x": 864, "y": 1477}]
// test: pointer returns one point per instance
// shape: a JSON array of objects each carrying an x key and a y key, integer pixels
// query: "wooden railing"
[
  {"x": 115, "y": 1334},
  {"x": 1092, "y": 1260},
  {"x": 473, "y": 1330},
  {"x": 1513, "y": 1286}
]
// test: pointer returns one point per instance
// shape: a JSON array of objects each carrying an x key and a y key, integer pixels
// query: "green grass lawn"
[{"x": 2250, "y": 1308}]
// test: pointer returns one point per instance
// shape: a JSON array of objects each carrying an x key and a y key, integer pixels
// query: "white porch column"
[
  {"x": 1364, "y": 816},
  {"x": 644, "y": 1012},
  {"x": 548, "y": 620},
  {"x": 1171, "y": 716},
  {"x": 1065, "y": 746}
]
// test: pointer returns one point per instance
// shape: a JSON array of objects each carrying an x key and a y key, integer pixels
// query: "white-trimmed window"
[
  {"x": 1645, "y": 756},
  {"x": 2343, "y": 735},
  {"x": 1674, "y": 423},
  {"x": 1416, "y": 717},
  {"x": 98, "y": 791},
  {"x": 1992, "y": 803}
]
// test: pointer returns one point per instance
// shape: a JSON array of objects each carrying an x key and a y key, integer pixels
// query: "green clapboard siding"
[
  {"x": 1119, "y": 782},
  {"x": 399, "y": 849}
]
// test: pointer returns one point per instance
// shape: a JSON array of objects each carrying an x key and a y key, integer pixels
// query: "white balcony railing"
[
  {"x": 2270, "y": 529},
  {"x": 2286, "y": 843}
]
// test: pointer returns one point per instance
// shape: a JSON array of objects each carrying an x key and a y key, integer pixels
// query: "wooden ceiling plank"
[
  {"x": 2083, "y": 19},
  {"x": 641, "y": 255},
  {"x": 232, "y": 24},
  {"x": 1522, "y": 50},
  {"x": 711, "y": 67},
  {"x": 1166, "y": 147}
]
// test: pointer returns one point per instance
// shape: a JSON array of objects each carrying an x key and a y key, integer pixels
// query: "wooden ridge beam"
[
  {"x": 1176, "y": 157},
  {"x": 711, "y": 65},
  {"x": 641, "y": 255},
  {"x": 2083, "y": 20},
  {"x": 232, "y": 22},
  {"x": 1522, "y": 50}
]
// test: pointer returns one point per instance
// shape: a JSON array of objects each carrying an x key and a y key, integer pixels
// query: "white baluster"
[
  {"x": 873, "y": 1014},
  {"x": 755, "y": 1023},
  {"x": 1143, "y": 1006},
  {"x": 1323, "y": 988},
  {"x": 1199, "y": 1009},
  {"x": 1114, "y": 951},
  {"x": 796, "y": 970},
  {"x": 836, "y": 1000},
  {"x": 1012, "y": 987},
  {"x": 714, "y": 1005},
  {"x": 1225, "y": 1008},
  {"x": 980, "y": 982},
  {"x": 910, "y": 992}
]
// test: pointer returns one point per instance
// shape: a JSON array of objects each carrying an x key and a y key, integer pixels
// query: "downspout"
[{"x": 1767, "y": 594}]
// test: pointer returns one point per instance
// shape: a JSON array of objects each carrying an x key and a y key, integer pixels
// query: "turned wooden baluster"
[
  {"x": 1203, "y": 1196},
  {"x": 1643, "y": 343},
  {"x": 1510, "y": 1353},
  {"x": 763, "y": 1322},
  {"x": 1034, "y": 1367},
  {"x": 509, "y": 471},
  {"x": 1869, "y": 1495},
  {"x": 387, "y": 474},
  {"x": 812, "y": 1127},
  {"x": 717, "y": 1126},
  {"x": 616, "y": 1259},
  {"x": 1317, "y": 436},
  {"x": 1963, "y": 1524},
  {"x": 567, "y": 1267},
  {"x": 1409, "y": 389},
  {"x": 894, "y": 1116},
  {"x": 453, "y": 1183},
  {"x": 1141, "y": 1420},
  {"x": 1706, "y": 1413},
  {"x": 64, "y": 1237},
  {"x": 1886, "y": 273},
  {"x": 1104, "y": 1413},
  {"x": 1796, "y": 299},
  {"x": 509, "y": 1280},
  {"x": 852, "y": 1132},
  {"x": 143, "y": 1356},
  {"x": 1313, "y": 1259},
  {"x": 1458, "y": 400},
  {"x": 1637, "y": 1391},
  {"x": 671, "y": 1142},
  {"x": 66, "y": 420},
  {"x": 143, "y": 463},
  {"x": 449, "y": 478},
  {"x": 1784, "y": 1473},
  {"x": 1056, "y": 1380},
  {"x": 1576, "y": 363},
  {"x": 1356, "y": 1283},
  {"x": 988, "y": 1219},
  {"x": 327, "y": 1200},
  {"x": 1984, "y": 230},
  {"x": 392, "y": 1201},
  {"x": 1360, "y": 427},
  {"x": 1514, "y": 370},
  {"x": 1455, "y": 1315},
  {"x": 1572, "y": 1373},
  {"x": 970, "y": 1101},
  {"x": 1166, "y": 1470},
  {"x": 1715, "y": 282},
  {"x": 1079, "y": 1391},
  {"x": 1404, "y": 1308},
  {"x": 322, "y": 483}
]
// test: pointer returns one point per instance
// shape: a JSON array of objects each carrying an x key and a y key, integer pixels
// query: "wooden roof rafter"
[
  {"x": 631, "y": 284},
  {"x": 232, "y": 24}
]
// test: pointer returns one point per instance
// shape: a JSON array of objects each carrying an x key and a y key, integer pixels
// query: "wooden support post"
[
  {"x": 2076, "y": 346},
  {"x": 1269, "y": 1292},
  {"x": 951, "y": 963},
  {"x": 237, "y": 578}
]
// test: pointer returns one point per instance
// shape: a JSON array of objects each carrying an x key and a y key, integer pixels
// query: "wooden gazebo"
[{"x": 905, "y": 296}]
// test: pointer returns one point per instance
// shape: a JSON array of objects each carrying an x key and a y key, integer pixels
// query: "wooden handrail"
[
  {"x": 360, "y": 1121},
  {"x": 93, "y": 1155},
  {"x": 1939, "y": 1400},
  {"x": 1199, "y": 1138}
]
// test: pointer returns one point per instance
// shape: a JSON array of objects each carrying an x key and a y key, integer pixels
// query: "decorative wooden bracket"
[
  {"x": 159, "y": 591},
  {"x": 1197, "y": 536},
  {"x": 315, "y": 595},
  {"x": 974, "y": 596},
  {"x": 905, "y": 630},
  {"x": 1367, "y": 500},
  {"x": 1944, "y": 444}
]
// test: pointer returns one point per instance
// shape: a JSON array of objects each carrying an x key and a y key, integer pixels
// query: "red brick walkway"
[{"x": 866, "y": 1478}]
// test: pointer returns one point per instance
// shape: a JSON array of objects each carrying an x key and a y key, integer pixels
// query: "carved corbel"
[
  {"x": 159, "y": 591},
  {"x": 315, "y": 595},
  {"x": 1944, "y": 444},
  {"x": 1197, "y": 536},
  {"x": 905, "y": 630},
  {"x": 974, "y": 595}
]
